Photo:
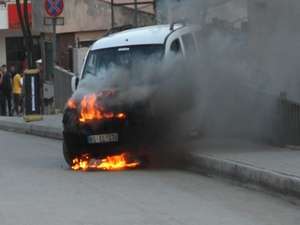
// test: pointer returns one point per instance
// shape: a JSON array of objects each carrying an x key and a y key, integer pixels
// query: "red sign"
[
  {"x": 13, "y": 18},
  {"x": 54, "y": 7}
]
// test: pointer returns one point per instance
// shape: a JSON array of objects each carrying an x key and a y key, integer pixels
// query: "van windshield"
[{"x": 128, "y": 58}]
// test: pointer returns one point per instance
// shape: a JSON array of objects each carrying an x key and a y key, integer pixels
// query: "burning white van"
[{"x": 104, "y": 123}]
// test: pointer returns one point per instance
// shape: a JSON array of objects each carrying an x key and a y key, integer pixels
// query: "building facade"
[{"x": 84, "y": 22}]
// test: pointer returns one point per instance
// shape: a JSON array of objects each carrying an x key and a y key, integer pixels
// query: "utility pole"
[
  {"x": 135, "y": 13},
  {"x": 22, "y": 10}
]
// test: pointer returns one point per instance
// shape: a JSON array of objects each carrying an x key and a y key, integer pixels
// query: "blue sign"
[{"x": 54, "y": 7}]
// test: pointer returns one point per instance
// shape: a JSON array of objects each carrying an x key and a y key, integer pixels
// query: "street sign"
[
  {"x": 54, "y": 7},
  {"x": 49, "y": 21}
]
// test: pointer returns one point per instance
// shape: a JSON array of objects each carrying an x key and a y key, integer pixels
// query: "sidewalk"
[
  {"x": 49, "y": 127},
  {"x": 274, "y": 168}
]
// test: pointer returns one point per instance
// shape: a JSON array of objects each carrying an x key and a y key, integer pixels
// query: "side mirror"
[{"x": 74, "y": 83}]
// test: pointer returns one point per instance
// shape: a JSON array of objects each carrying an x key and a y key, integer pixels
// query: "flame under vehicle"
[{"x": 113, "y": 119}]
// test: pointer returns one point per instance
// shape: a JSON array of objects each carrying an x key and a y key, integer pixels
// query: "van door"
[{"x": 177, "y": 84}]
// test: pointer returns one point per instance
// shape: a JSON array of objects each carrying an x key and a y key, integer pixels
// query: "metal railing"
[
  {"x": 62, "y": 87},
  {"x": 289, "y": 126}
]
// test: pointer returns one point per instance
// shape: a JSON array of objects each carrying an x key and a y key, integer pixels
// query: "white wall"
[
  {"x": 3, "y": 26},
  {"x": 3, "y": 17},
  {"x": 2, "y": 50}
]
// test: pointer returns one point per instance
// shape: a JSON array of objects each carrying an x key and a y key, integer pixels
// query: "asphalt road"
[{"x": 37, "y": 188}]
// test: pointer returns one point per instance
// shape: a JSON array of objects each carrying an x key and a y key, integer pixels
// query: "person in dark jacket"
[{"x": 6, "y": 92}]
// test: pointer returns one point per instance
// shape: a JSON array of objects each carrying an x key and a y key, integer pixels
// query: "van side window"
[
  {"x": 91, "y": 64},
  {"x": 176, "y": 47},
  {"x": 189, "y": 44}
]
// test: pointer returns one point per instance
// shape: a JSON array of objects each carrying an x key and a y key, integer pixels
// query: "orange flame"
[
  {"x": 71, "y": 104},
  {"x": 121, "y": 116},
  {"x": 92, "y": 110},
  {"x": 111, "y": 163},
  {"x": 88, "y": 109}
]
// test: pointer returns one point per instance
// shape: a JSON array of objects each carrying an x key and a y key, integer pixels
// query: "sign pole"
[
  {"x": 54, "y": 8},
  {"x": 54, "y": 41}
]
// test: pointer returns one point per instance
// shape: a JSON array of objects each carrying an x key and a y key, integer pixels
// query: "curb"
[
  {"x": 245, "y": 173},
  {"x": 32, "y": 129}
]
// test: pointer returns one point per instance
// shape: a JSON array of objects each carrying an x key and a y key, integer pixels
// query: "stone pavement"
[{"x": 271, "y": 167}]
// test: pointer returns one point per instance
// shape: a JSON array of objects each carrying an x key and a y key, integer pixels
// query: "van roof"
[{"x": 138, "y": 36}]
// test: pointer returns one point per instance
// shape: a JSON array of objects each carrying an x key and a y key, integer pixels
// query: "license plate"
[{"x": 103, "y": 138}]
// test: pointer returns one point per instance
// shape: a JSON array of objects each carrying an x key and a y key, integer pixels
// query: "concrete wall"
[
  {"x": 274, "y": 35},
  {"x": 143, "y": 7},
  {"x": 201, "y": 10},
  {"x": 89, "y": 36},
  {"x": 234, "y": 11}
]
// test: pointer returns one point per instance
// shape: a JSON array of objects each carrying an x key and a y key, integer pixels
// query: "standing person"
[
  {"x": 7, "y": 89},
  {"x": 17, "y": 92}
]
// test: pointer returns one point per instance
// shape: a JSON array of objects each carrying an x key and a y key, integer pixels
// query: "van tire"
[{"x": 68, "y": 156}]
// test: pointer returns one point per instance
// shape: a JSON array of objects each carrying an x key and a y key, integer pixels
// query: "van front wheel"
[{"x": 68, "y": 155}]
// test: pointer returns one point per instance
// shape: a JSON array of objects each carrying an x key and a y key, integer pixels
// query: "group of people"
[{"x": 11, "y": 84}]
